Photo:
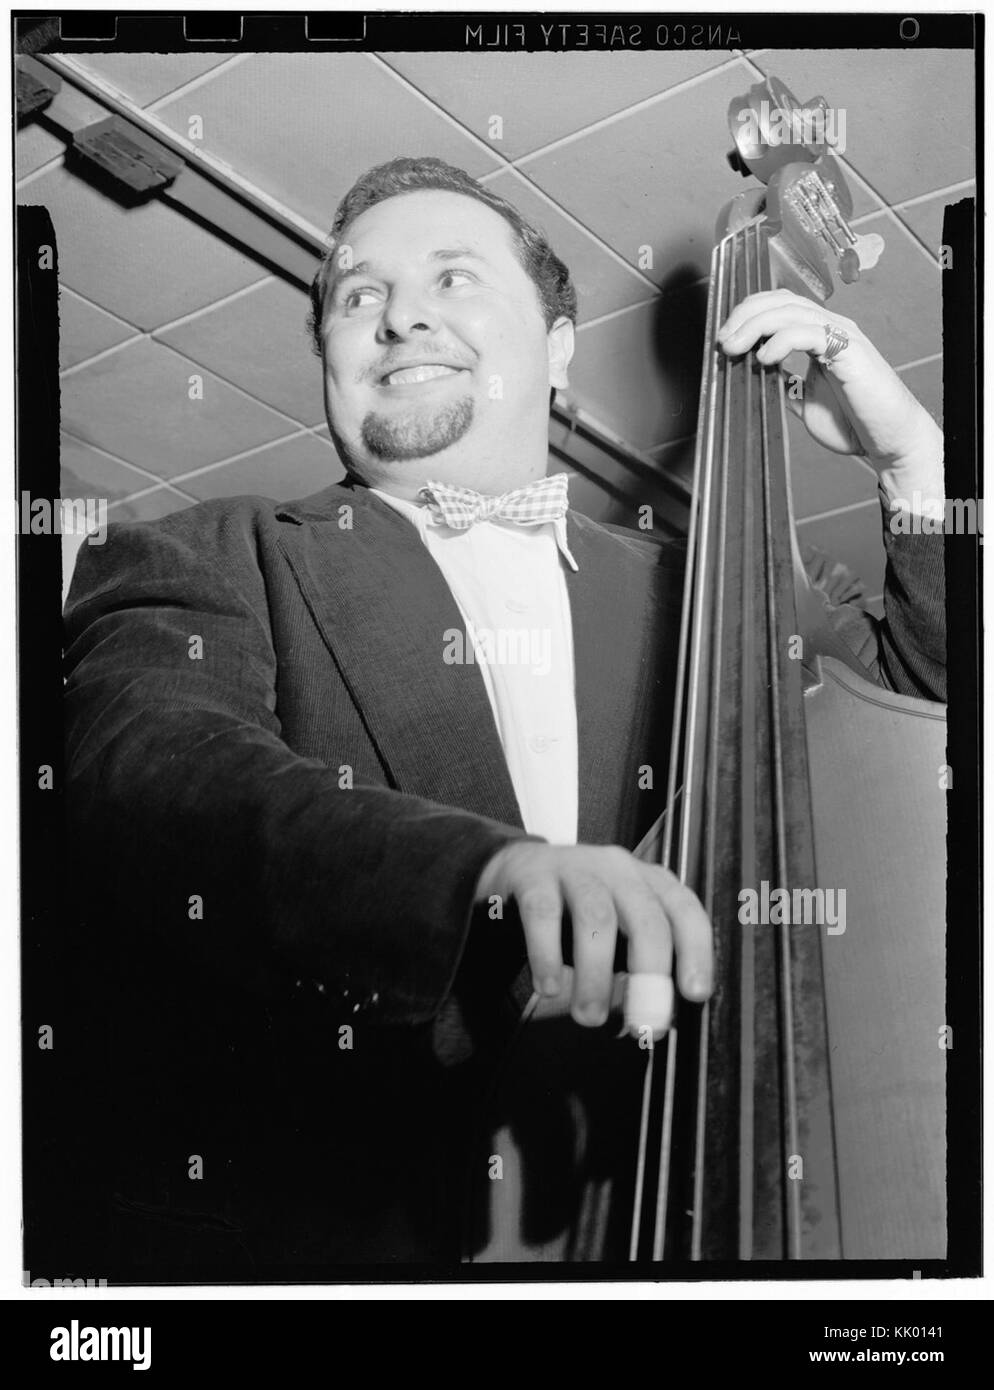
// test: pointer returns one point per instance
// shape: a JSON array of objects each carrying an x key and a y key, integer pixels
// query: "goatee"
[{"x": 416, "y": 435}]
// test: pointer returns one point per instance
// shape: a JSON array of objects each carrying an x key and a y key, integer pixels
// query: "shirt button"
[
  {"x": 517, "y": 605},
  {"x": 539, "y": 744}
]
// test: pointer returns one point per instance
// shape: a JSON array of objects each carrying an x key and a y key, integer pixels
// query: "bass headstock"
[{"x": 807, "y": 203}]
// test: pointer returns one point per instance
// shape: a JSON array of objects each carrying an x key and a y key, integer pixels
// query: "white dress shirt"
[{"x": 508, "y": 583}]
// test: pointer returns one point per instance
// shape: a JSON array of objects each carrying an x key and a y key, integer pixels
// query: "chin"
[{"x": 416, "y": 434}]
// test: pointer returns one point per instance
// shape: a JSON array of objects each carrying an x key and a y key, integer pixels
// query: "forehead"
[{"x": 416, "y": 224}]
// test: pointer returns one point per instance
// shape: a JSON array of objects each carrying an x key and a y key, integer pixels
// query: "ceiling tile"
[
  {"x": 144, "y": 77},
  {"x": 925, "y": 218},
  {"x": 285, "y": 471},
  {"x": 541, "y": 97},
  {"x": 925, "y": 382},
  {"x": 820, "y": 480},
  {"x": 88, "y": 472},
  {"x": 602, "y": 285},
  {"x": 135, "y": 404},
  {"x": 909, "y": 113},
  {"x": 657, "y": 179},
  {"x": 639, "y": 373},
  {"x": 855, "y": 538},
  {"x": 147, "y": 264},
  {"x": 259, "y": 341},
  {"x": 33, "y": 147},
  {"x": 150, "y": 506},
  {"x": 85, "y": 330},
  {"x": 304, "y": 126}
]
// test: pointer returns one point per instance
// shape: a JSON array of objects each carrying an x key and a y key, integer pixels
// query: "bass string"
[
  {"x": 686, "y": 688},
  {"x": 695, "y": 630},
  {"x": 749, "y": 645}
]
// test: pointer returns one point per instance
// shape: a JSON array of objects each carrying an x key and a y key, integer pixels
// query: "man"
[{"x": 320, "y": 844}]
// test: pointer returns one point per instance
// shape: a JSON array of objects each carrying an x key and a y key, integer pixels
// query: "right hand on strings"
[{"x": 606, "y": 890}]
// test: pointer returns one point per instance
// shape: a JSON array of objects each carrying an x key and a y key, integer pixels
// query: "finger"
[
  {"x": 595, "y": 932},
  {"x": 540, "y": 907},
  {"x": 771, "y": 321},
  {"x": 811, "y": 338},
  {"x": 692, "y": 936},
  {"x": 643, "y": 919},
  {"x": 649, "y": 992},
  {"x": 760, "y": 302}
]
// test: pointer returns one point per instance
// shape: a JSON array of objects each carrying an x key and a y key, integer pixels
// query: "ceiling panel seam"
[
  {"x": 579, "y": 226},
  {"x": 635, "y": 109},
  {"x": 215, "y": 304},
  {"x": 154, "y": 478},
  {"x": 947, "y": 192},
  {"x": 241, "y": 390},
  {"x": 839, "y": 511},
  {"x": 202, "y": 79},
  {"x": 237, "y": 458},
  {"x": 508, "y": 166}
]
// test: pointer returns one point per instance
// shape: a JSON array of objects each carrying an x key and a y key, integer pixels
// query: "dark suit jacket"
[{"x": 245, "y": 898}]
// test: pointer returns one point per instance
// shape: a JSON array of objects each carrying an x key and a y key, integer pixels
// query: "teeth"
[{"x": 413, "y": 375}]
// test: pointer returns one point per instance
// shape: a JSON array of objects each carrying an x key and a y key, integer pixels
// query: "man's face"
[{"x": 437, "y": 360}]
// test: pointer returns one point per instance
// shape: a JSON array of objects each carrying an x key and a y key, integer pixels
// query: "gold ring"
[{"x": 836, "y": 341}]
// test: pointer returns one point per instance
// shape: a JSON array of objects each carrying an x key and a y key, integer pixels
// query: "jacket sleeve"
[
  {"x": 206, "y": 829},
  {"x": 906, "y": 651}
]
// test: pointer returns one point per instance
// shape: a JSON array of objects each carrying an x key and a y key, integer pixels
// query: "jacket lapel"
[{"x": 384, "y": 610}]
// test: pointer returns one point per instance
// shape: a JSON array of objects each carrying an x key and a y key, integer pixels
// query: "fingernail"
[
  {"x": 697, "y": 987},
  {"x": 590, "y": 1013}
]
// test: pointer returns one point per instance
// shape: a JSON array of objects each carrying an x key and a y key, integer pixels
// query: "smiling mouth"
[{"x": 415, "y": 376}]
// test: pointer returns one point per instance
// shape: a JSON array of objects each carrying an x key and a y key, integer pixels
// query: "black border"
[{"x": 39, "y": 607}]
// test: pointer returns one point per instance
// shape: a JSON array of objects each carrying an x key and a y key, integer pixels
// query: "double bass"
[{"x": 800, "y": 1113}]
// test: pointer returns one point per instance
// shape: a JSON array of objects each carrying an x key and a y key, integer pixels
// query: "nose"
[{"x": 407, "y": 312}]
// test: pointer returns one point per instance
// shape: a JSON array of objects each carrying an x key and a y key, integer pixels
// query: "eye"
[
  {"x": 359, "y": 298},
  {"x": 451, "y": 278}
]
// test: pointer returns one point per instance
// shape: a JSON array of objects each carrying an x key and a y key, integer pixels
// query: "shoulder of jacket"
[{"x": 222, "y": 520}]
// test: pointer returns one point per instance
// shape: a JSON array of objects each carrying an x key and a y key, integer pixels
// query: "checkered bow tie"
[{"x": 460, "y": 507}]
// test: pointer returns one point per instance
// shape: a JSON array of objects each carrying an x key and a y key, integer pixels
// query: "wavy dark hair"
[{"x": 556, "y": 292}]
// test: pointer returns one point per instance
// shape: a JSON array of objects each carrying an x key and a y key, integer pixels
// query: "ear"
[{"x": 561, "y": 342}]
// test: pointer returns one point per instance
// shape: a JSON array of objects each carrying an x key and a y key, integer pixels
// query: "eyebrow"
[{"x": 452, "y": 253}]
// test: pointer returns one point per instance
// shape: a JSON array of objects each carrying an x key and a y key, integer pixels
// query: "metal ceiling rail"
[{"x": 209, "y": 166}]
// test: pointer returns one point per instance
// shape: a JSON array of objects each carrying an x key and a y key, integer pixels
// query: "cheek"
[
  {"x": 347, "y": 350},
  {"x": 511, "y": 342}
]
